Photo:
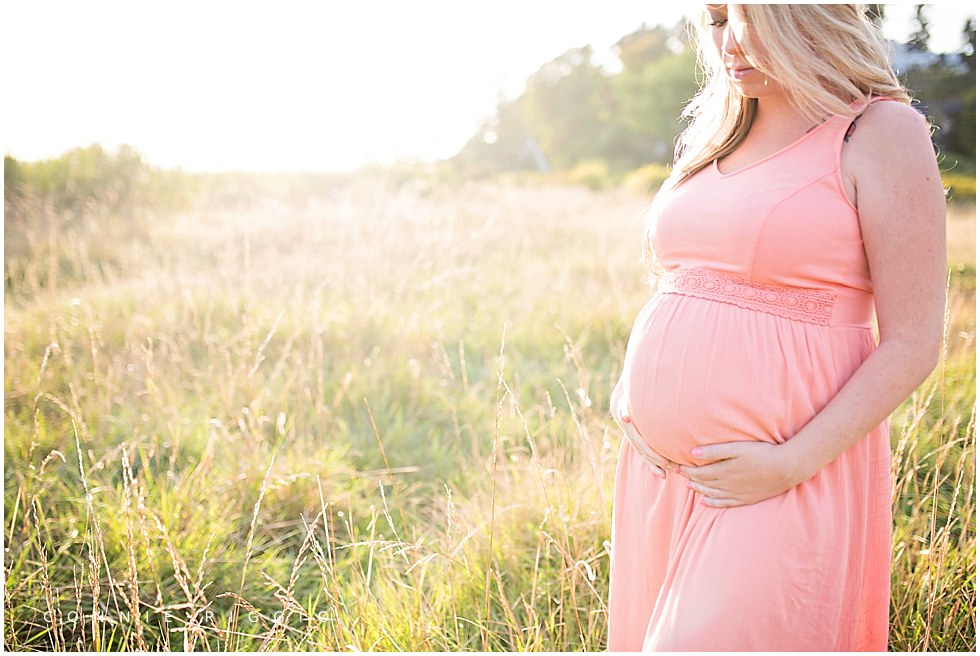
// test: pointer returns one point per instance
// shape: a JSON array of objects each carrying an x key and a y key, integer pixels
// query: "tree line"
[{"x": 574, "y": 112}]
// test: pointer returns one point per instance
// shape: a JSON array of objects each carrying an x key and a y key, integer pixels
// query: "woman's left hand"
[{"x": 740, "y": 473}]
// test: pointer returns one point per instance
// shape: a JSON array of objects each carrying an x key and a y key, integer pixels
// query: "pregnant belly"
[{"x": 703, "y": 372}]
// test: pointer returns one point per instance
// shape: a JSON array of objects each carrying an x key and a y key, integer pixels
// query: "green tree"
[
  {"x": 919, "y": 39},
  {"x": 570, "y": 108},
  {"x": 969, "y": 52},
  {"x": 503, "y": 143},
  {"x": 947, "y": 90},
  {"x": 658, "y": 77}
]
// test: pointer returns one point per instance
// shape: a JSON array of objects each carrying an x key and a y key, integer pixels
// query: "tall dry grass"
[{"x": 376, "y": 421}]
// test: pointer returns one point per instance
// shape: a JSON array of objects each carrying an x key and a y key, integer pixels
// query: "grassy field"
[{"x": 372, "y": 420}]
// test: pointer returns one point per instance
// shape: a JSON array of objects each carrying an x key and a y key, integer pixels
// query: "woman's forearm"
[{"x": 882, "y": 382}]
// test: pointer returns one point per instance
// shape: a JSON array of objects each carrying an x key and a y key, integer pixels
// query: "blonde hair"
[{"x": 825, "y": 57}]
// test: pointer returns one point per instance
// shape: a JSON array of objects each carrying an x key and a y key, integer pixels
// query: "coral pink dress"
[{"x": 764, "y": 312}]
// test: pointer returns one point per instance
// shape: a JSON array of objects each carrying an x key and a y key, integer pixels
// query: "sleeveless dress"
[{"x": 764, "y": 312}]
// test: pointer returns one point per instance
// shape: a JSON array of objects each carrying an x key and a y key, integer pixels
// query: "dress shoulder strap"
[{"x": 853, "y": 125}]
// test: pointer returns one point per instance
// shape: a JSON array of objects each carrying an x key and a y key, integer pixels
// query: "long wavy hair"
[{"x": 825, "y": 57}]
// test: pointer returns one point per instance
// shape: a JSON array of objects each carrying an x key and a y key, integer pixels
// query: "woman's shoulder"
[
  {"x": 886, "y": 119},
  {"x": 888, "y": 145},
  {"x": 890, "y": 129}
]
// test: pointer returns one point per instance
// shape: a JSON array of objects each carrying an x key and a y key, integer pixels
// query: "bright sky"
[{"x": 329, "y": 85}]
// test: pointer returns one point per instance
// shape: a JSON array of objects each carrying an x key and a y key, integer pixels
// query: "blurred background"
[{"x": 226, "y": 86}]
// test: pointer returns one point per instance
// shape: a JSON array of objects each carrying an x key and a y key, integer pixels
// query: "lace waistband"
[{"x": 798, "y": 303}]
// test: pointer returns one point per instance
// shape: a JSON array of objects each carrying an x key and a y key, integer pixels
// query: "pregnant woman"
[{"x": 752, "y": 506}]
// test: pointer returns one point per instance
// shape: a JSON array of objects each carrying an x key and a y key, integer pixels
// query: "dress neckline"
[
  {"x": 816, "y": 128},
  {"x": 799, "y": 140}
]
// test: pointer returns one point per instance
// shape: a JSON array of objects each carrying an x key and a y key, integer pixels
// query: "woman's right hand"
[{"x": 620, "y": 412}]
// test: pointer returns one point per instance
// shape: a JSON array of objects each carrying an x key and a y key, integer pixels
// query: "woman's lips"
[{"x": 740, "y": 73}]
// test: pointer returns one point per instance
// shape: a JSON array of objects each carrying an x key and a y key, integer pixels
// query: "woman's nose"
[{"x": 729, "y": 46}]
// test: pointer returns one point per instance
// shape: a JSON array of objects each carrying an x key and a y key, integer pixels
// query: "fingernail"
[{"x": 696, "y": 452}]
